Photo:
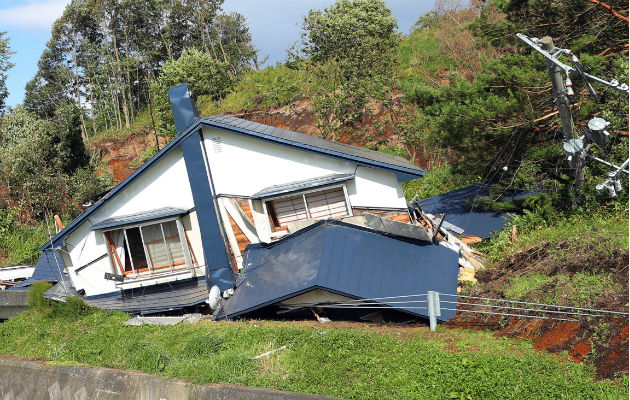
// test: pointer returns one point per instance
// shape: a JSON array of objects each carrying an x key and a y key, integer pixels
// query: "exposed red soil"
[
  {"x": 600, "y": 341},
  {"x": 123, "y": 155}
]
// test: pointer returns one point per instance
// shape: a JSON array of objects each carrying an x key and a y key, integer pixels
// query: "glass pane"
[
  {"x": 158, "y": 253},
  {"x": 174, "y": 244},
  {"x": 137, "y": 249}
]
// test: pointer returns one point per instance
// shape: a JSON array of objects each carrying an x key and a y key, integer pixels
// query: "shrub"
[
  {"x": 36, "y": 298},
  {"x": 73, "y": 308}
]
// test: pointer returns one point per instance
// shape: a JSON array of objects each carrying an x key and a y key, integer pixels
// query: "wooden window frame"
[{"x": 189, "y": 257}]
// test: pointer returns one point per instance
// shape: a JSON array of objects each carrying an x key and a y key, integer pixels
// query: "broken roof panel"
[
  {"x": 156, "y": 298},
  {"x": 347, "y": 260},
  {"x": 277, "y": 190},
  {"x": 460, "y": 211},
  {"x": 397, "y": 228},
  {"x": 49, "y": 268}
]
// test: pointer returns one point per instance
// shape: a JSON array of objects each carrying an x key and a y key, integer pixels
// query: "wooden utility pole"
[
  {"x": 559, "y": 91},
  {"x": 562, "y": 102}
]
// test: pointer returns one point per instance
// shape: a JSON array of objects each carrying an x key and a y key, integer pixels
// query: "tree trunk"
[
  {"x": 119, "y": 69},
  {"x": 78, "y": 89},
  {"x": 129, "y": 98}
]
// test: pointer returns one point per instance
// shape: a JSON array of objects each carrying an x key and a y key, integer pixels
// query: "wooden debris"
[
  {"x": 471, "y": 239},
  {"x": 514, "y": 234}
]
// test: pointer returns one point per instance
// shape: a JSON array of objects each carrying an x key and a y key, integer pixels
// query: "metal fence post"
[
  {"x": 436, "y": 304},
  {"x": 432, "y": 309}
]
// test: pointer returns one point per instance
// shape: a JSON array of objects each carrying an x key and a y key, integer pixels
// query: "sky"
[{"x": 273, "y": 24}]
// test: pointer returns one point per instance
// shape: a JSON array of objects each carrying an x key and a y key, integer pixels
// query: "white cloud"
[{"x": 38, "y": 15}]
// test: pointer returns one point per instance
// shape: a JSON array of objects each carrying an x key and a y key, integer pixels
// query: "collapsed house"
[{"x": 246, "y": 216}]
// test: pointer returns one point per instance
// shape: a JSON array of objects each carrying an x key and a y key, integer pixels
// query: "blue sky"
[{"x": 274, "y": 25}]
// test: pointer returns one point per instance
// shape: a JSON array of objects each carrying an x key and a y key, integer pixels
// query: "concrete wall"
[
  {"x": 24, "y": 379},
  {"x": 12, "y": 302}
]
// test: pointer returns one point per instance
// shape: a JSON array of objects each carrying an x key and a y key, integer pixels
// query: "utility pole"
[
  {"x": 595, "y": 132},
  {"x": 561, "y": 101},
  {"x": 559, "y": 90}
]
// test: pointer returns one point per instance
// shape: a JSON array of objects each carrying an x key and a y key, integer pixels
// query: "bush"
[
  {"x": 204, "y": 74},
  {"x": 36, "y": 298},
  {"x": 72, "y": 309}
]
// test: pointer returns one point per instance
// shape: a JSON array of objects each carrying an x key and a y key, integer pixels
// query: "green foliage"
[
  {"x": 271, "y": 87},
  {"x": 72, "y": 309},
  {"x": 451, "y": 363},
  {"x": 439, "y": 180},
  {"x": 36, "y": 298},
  {"x": 43, "y": 162},
  {"x": 350, "y": 47},
  {"x": 202, "y": 345},
  {"x": 5, "y": 65},
  {"x": 545, "y": 224},
  {"x": 19, "y": 243},
  {"x": 204, "y": 74}
]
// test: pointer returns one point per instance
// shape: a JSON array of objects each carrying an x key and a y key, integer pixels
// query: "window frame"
[
  {"x": 148, "y": 272},
  {"x": 303, "y": 193}
]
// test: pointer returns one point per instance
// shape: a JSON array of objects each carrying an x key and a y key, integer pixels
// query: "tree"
[
  {"x": 5, "y": 65},
  {"x": 204, "y": 74},
  {"x": 350, "y": 46}
]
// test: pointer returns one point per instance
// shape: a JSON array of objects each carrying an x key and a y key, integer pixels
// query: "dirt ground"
[{"x": 601, "y": 341}]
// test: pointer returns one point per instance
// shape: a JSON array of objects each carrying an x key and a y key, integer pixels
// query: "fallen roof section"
[
  {"x": 471, "y": 218},
  {"x": 347, "y": 260},
  {"x": 156, "y": 298},
  {"x": 49, "y": 268}
]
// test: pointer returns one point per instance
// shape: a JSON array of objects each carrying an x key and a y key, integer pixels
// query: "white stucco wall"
[
  {"x": 165, "y": 184},
  {"x": 243, "y": 166}
]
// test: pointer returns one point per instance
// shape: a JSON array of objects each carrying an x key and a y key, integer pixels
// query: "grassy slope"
[
  {"x": 580, "y": 260},
  {"x": 348, "y": 362}
]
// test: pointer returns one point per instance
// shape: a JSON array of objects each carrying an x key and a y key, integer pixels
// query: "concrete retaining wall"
[
  {"x": 12, "y": 302},
  {"x": 24, "y": 379}
]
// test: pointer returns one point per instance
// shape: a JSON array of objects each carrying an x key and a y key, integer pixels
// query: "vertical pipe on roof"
[{"x": 216, "y": 254}]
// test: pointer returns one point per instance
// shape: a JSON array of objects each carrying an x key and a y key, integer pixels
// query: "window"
[
  {"x": 149, "y": 249},
  {"x": 320, "y": 204}
]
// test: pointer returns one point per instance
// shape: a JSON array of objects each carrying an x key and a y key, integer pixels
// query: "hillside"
[
  {"x": 543, "y": 266},
  {"x": 461, "y": 97}
]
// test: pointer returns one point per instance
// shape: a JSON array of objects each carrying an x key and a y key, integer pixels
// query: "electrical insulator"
[
  {"x": 569, "y": 86},
  {"x": 611, "y": 190},
  {"x": 597, "y": 128},
  {"x": 617, "y": 184}
]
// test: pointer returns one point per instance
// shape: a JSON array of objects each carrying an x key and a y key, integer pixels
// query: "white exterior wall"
[
  {"x": 243, "y": 166},
  {"x": 165, "y": 184}
]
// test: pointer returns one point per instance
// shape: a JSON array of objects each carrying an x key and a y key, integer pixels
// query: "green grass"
[
  {"x": 270, "y": 87},
  {"x": 576, "y": 289},
  {"x": 606, "y": 231},
  {"x": 362, "y": 363}
]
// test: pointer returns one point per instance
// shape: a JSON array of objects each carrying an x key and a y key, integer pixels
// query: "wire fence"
[{"x": 463, "y": 304}]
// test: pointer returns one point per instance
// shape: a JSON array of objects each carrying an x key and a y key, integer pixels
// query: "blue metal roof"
[
  {"x": 139, "y": 217},
  {"x": 461, "y": 212},
  {"x": 403, "y": 169},
  {"x": 49, "y": 268},
  {"x": 347, "y": 260},
  {"x": 155, "y": 298},
  {"x": 276, "y": 190}
]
